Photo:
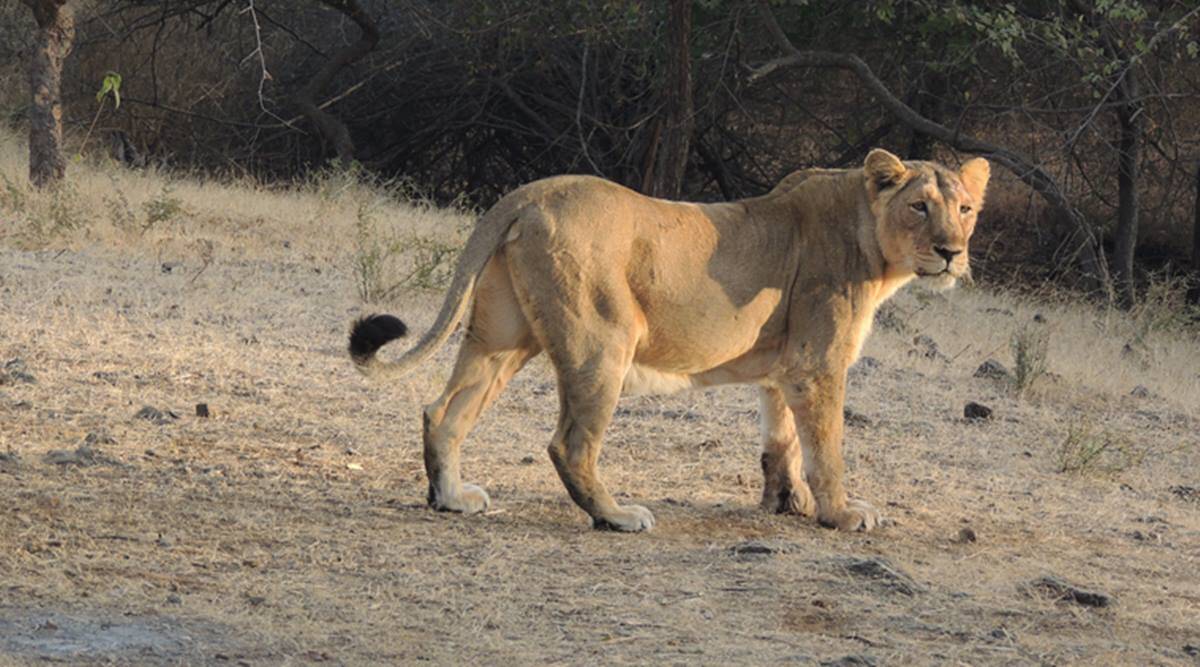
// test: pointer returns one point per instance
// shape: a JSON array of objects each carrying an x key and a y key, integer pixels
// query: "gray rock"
[
  {"x": 82, "y": 456},
  {"x": 881, "y": 570},
  {"x": 15, "y": 371},
  {"x": 976, "y": 411},
  {"x": 94, "y": 438},
  {"x": 925, "y": 346},
  {"x": 153, "y": 414},
  {"x": 755, "y": 548},
  {"x": 1064, "y": 591},
  {"x": 853, "y": 418},
  {"x": 1189, "y": 493},
  {"x": 887, "y": 318},
  {"x": 992, "y": 369},
  {"x": 850, "y": 661},
  {"x": 1140, "y": 391},
  {"x": 866, "y": 366}
]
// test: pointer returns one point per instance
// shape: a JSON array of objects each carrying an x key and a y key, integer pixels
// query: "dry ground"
[{"x": 289, "y": 526}]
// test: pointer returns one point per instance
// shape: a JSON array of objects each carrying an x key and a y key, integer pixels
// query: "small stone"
[
  {"x": 887, "y": 317},
  {"x": 202, "y": 410},
  {"x": 153, "y": 414},
  {"x": 1140, "y": 391},
  {"x": 1189, "y": 493},
  {"x": 850, "y": 661},
  {"x": 854, "y": 418},
  {"x": 926, "y": 347},
  {"x": 82, "y": 456},
  {"x": 528, "y": 460},
  {"x": 866, "y": 366},
  {"x": 966, "y": 535},
  {"x": 105, "y": 376},
  {"x": 976, "y": 411},
  {"x": 98, "y": 438},
  {"x": 880, "y": 569},
  {"x": 174, "y": 599},
  {"x": 754, "y": 547},
  {"x": 1039, "y": 318},
  {"x": 1192, "y": 650},
  {"x": 1065, "y": 591},
  {"x": 14, "y": 371},
  {"x": 991, "y": 369}
]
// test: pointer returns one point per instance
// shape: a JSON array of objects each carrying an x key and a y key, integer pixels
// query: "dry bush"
[{"x": 1030, "y": 345}]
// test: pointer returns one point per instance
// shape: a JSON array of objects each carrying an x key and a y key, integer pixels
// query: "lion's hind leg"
[
  {"x": 784, "y": 488},
  {"x": 497, "y": 345}
]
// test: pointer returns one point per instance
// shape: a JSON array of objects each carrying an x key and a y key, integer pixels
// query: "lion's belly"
[
  {"x": 703, "y": 333},
  {"x": 753, "y": 367}
]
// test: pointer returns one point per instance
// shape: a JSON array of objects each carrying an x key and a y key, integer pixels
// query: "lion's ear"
[
  {"x": 883, "y": 169},
  {"x": 974, "y": 174}
]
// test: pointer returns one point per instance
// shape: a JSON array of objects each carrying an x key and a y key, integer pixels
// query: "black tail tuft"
[{"x": 373, "y": 332}]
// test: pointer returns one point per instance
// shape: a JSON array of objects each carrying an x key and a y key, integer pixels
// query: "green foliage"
[
  {"x": 1088, "y": 451},
  {"x": 371, "y": 254},
  {"x": 163, "y": 207},
  {"x": 433, "y": 263},
  {"x": 111, "y": 83},
  {"x": 378, "y": 258}
]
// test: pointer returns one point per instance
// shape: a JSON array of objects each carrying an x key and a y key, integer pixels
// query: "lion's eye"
[
  {"x": 919, "y": 207},
  {"x": 964, "y": 209}
]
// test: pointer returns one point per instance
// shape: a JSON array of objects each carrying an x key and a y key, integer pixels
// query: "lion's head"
[{"x": 925, "y": 214}]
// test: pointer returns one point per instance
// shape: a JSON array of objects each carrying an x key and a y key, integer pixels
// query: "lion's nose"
[{"x": 947, "y": 254}]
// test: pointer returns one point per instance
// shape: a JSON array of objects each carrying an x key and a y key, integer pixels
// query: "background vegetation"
[{"x": 1089, "y": 105}]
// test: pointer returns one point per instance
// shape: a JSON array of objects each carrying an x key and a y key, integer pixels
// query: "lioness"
[{"x": 630, "y": 294}]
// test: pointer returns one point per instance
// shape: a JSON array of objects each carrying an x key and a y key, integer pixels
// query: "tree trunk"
[
  {"x": 332, "y": 129},
  {"x": 929, "y": 105},
  {"x": 1193, "y": 296},
  {"x": 56, "y": 33},
  {"x": 670, "y": 161},
  {"x": 1129, "y": 115}
]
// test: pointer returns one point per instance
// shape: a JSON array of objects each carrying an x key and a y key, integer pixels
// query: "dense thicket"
[{"x": 467, "y": 98}]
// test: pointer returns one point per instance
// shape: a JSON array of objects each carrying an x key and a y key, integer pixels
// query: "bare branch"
[{"x": 1029, "y": 173}]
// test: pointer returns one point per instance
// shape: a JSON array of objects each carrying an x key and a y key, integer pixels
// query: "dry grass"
[{"x": 289, "y": 526}]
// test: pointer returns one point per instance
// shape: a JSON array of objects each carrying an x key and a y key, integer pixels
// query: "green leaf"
[{"x": 110, "y": 84}]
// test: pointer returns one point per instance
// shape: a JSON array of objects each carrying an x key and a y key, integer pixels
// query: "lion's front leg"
[
  {"x": 784, "y": 488},
  {"x": 817, "y": 404}
]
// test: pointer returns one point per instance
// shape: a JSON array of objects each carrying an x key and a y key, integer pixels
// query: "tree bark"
[
  {"x": 1032, "y": 175},
  {"x": 1193, "y": 296},
  {"x": 1129, "y": 114},
  {"x": 332, "y": 129},
  {"x": 55, "y": 36},
  {"x": 670, "y": 157}
]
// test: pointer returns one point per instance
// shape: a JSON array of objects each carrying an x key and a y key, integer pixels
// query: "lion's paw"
[
  {"x": 857, "y": 515},
  {"x": 798, "y": 500},
  {"x": 626, "y": 519},
  {"x": 471, "y": 499}
]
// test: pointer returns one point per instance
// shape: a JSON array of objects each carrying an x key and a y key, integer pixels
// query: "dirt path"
[{"x": 289, "y": 525}]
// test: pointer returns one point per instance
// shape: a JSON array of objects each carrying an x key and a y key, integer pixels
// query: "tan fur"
[{"x": 626, "y": 293}]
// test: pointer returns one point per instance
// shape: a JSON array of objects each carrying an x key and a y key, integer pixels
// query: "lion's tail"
[{"x": 374, "y": 331}]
